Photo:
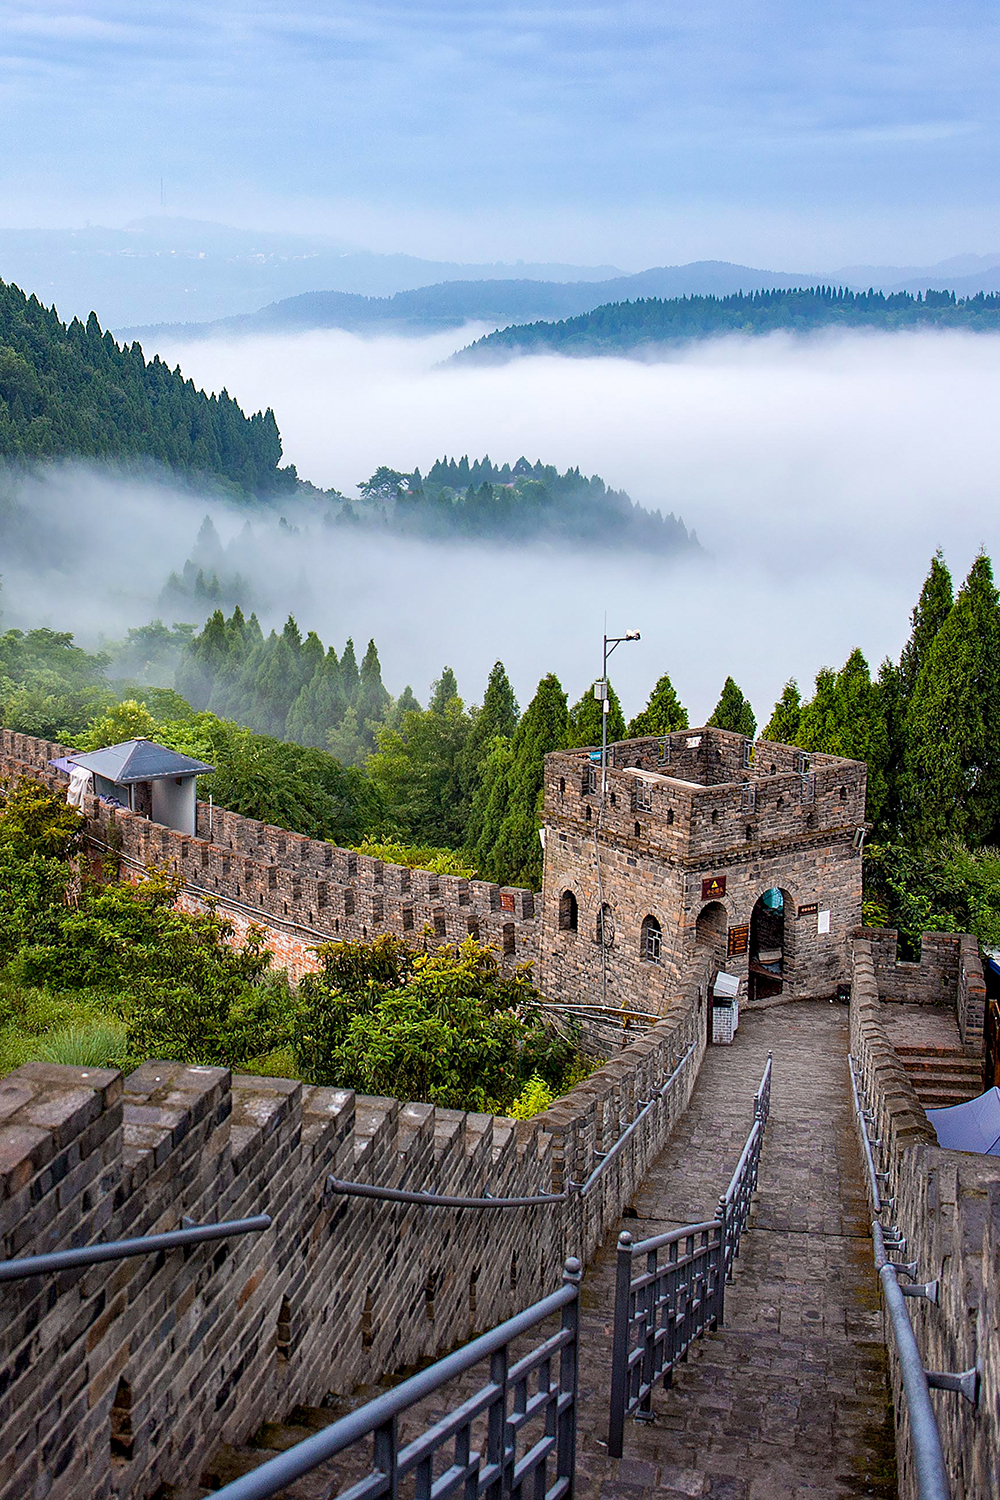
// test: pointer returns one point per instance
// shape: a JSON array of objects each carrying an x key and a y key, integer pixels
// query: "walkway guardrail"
[
  {"x": 514, "y": 1437},
  {"x": 918, "y": 1381},
  {"x": 661, "y": 1311},
  {"x": 336, "y": 1185},
  {"x": 146, "y": 1244}
]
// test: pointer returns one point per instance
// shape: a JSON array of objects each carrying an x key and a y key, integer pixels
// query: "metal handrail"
[
  {"x": 435, "y": 1200},
  {"x": 627, "y": 1133},
  {"x": 928, "y": 1458},
  {"x": 672, "y": 1304},
  {"x": 498, "y": 1472},
  {"x": 866, "y": 1145},
  {"x": 147, "y": 1244}
]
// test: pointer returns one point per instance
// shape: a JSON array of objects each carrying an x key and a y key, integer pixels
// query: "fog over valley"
[{"x": 819, "y": 477}]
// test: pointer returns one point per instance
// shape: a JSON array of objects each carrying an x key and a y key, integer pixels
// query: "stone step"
[
  {"x": 960, "y": 1066},
  {"x": 943, "y": 1098},
  {"x": 925, "y": 1049}
]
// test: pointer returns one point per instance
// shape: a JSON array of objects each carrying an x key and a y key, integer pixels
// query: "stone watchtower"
[{"x": 706, "y": 846}]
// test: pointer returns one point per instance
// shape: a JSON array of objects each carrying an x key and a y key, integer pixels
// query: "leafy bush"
[
  {"x": 418, "y": 857},
  {"x": 450, "y": 1026}
]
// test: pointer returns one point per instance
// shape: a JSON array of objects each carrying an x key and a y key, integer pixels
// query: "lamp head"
[{"x": 632, "y": 635}]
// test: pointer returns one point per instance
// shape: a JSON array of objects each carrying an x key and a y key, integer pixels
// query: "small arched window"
[
  {"x": 568, "y": 912},
  {"x": 670, "y": 815},
  {"x": 605, "y": 927},
  {"x": 652, "y": 940},
  {"x": 587, "y": 813},
  {"x": 562, "y": 786}
]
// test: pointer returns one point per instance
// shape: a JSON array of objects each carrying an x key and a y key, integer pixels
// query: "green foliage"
[
  {"x": 945, "y": 888},
  {"x": 783, "y": 725},
  {"x": 449, "y": 1026},
  {"x": 733, "y": 711},
  {"x": 417, "y": 770},
  {"x": 846, "y": 716},
  {"x": 585, "y": 720},
  {"x": 71, "y": 390},
  {"x": 514, "y": 857},
  {"x": 479, "y": 499},
  {"x": 663, "y": 713},
  {"x": 128, "y": 720},
  {"x": 97, "y": 1044},
  {"x": 418, "y": 857},
  {"x": 37, "y": 822}
]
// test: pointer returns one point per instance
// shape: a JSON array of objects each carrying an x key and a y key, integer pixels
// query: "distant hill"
[
  {"x": 510, "y": 503},
  {"x": 642, "y": 328},
  {"x": 451, "y": 304},
  {"x": 74, "y": 392},
  {"x": 165, "y": 269}
]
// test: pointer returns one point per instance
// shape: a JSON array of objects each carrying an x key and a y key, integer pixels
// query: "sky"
[{"x": 778, "y": 134}]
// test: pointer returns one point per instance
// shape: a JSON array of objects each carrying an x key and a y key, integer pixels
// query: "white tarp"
[
  {"x": 80, "y": 782},
  {"x": 972, "y": 1126}
]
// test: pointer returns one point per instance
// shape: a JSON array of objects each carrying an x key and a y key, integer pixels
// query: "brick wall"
[
  {"x": 660, "y": 840},
  {"x": 175, "y": 1353},
  {"x": 949, "y": 973},
  {"x": 948, "y": 1207},
  {"x": 302, "y": 891}
]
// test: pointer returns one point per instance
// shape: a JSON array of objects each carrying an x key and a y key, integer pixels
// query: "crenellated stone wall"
[
  {"x": 302, "y": 891},
  {"x": 947, "y": 1204},
  {"x": 124, "y": 1376},
  {"x": 949, "y": 972}
]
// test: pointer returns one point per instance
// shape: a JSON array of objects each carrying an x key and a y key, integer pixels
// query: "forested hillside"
[
  {"x": 512, "y": 502},
  {"x": 642, "y": 326},
  {"x": 313, "y": 741},
  {"x": 73, "y": 391}
]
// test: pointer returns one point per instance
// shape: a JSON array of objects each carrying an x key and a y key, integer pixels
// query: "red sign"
[
  {"x": 713, "y": 888},
  {"x": 810, "y": 910}
]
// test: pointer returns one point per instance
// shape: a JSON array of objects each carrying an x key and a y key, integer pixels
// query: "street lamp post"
[{"x": 610, "y": 642}]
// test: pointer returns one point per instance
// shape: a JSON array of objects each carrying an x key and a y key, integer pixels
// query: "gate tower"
[{"x": 705, "y": 844}]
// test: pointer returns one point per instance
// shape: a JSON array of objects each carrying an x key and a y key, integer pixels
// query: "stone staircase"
[{"x": 942, "y": 1076}]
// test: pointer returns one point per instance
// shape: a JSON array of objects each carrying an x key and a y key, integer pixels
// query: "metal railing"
[
  {"x": 662, "y": 1310},
  {"x": 441, "y": 1200},
  {"x": 513, "y": 1439},
  {"x": 917, "y": 1380},
  {"x": 147, "y": 1244}
]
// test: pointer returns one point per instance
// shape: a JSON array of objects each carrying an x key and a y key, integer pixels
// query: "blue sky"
[{"x": 787, "y": 135}]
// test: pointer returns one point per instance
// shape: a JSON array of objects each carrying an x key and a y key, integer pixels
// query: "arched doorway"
[
  {"x": 769, "y": 942},
  {"x": 712, "y": 928}
]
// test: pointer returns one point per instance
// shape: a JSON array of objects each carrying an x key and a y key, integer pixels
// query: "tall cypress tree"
[
  {"x": 733, "y": 711},
  {"x": 585, "y": 719},
  {"x": 783, "y": 725},
  {"x": 443, "y": 691},
  {"x": 373, "y": 700},
  {"x": 496, "y": 720},
  {"x": 896, "y": 687},
  {"x": 952, "y": 723},
  {"x": 664, "y": 712},
  {"x": 516, "y": 857},
  {"x": 350, "y": 677}
]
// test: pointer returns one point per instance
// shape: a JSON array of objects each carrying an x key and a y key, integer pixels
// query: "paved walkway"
[{"x": 788, "y": 1400}]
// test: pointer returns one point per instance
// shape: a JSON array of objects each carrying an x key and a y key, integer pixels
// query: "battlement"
[
  {"x": 700, "y": 793},
  {"x": 303, "y": 891}
]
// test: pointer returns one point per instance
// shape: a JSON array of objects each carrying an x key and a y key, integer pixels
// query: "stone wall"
[
  {"x": 948, "y": 1207},
  {"x": 302, "y": 891},
  {"x": 949, "y": 973},
  {"x": 126, "y": 1375}
]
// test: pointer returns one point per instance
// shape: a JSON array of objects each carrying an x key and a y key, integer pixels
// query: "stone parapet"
[
  {"x": 126, "y": 1376},
  {"x": 947, "y": 1204}
]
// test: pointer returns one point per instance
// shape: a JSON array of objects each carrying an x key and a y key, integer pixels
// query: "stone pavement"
[{"x": 788, "y": 1400}]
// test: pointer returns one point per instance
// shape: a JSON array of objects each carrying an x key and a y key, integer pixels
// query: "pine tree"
[
  {"x": 516, "y": 857},
  {"x": 373, "y": 700},
  {"x": 319, "y": 707},
  {"x": 350, "y": 678},
  {"x": 585, "y": 719},
  {"x": 952, "y": 724},
  {"x": 663, "y": 713},
  {"x": 496, "y": 720},
  {"x": 443, "y": 691},
  {"x": 783, "y": 725},
  {"x": 929, "y": 614},
  {"x": 733, "y": 711},
  {"x": 820, "y": 718}
]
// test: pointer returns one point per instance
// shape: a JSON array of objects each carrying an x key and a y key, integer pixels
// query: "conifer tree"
[
  {"x": 952, "y": 724},
  {"x": 733, "y": 711},
  {"x": 496, "y": 720},
  {"x": 929, "y": 614},
  {"x": 373, "y": 700},
  {"x": 663, "y": 713},
  {"x": 350, "y": 678},
  {"x": 783, "y": 725},
  {"x": 585, "y": 719},
  {"x": 443, "y": 691},
  {"x": 516, "y": 857},
  {"x": 820, "y": 718},
  {"x": 319, "y": 707}
]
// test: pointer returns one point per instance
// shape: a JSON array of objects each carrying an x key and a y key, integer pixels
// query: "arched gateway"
[{"x": 746, "y": 857}]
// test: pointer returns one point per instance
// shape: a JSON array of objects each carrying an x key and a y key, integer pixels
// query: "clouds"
[
  {"x": 820, "y": 476},
  {"x": 653, "y": 133}
]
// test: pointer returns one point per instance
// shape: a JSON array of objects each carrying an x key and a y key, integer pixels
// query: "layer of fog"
[{"x": 819, "y": 475}]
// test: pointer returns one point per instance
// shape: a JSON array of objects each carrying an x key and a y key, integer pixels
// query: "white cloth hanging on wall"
[{"x": 80, "y": 782}]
